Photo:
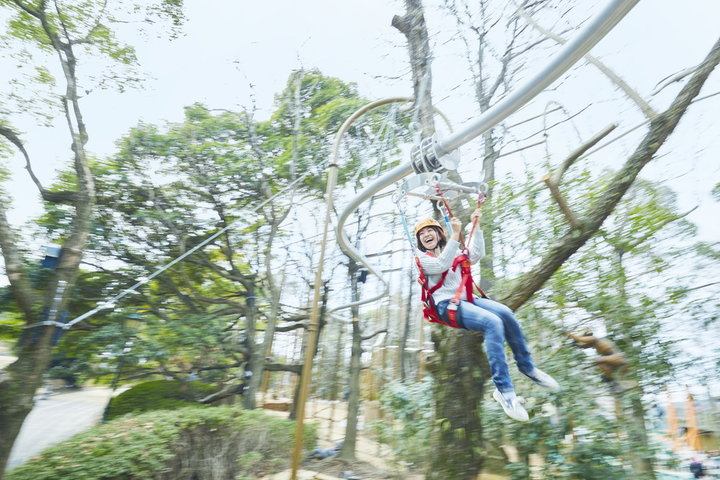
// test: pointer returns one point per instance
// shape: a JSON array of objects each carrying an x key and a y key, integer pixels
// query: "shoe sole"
[{"x": 552, "y": 388}]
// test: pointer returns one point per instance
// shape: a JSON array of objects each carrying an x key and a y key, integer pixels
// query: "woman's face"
[{"x": 429, "y": 237}]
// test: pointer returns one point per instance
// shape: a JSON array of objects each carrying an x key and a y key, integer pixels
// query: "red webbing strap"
[
  {"x": 429, "y": 311},
  {"x": 466, "y": 286},
  {"x": 444, "y": 200},
  {"x": 480, "y": 202}
]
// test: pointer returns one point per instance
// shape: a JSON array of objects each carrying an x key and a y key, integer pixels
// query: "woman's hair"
[{"x": 441, "y": 242}]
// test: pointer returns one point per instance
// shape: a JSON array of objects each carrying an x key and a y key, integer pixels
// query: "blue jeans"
[{"x": 498, "y": 324}]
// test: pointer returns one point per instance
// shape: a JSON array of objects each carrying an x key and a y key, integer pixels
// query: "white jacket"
[{"x": 433, "y": 266}]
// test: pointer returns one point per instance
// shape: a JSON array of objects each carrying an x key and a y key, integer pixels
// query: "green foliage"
[
  {"x": 157, "y": 395},
  {"x": 168, "y": 189},
  {"x": 408, "y": 420},
  {"x": 630, "y": 283},
  {"x": 595, "y": 459},
  {"x": 170, "y": 445}
]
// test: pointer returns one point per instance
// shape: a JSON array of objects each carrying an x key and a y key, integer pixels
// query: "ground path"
[{"x": 56, "y": 418}]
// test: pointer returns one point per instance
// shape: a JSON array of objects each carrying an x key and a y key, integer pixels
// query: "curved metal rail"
[
  {"x": 342, "y": 238},
  {"x": 568, "y": 56}
]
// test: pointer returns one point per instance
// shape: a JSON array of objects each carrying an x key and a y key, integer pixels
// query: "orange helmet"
[{"x": 429, "y": 222}]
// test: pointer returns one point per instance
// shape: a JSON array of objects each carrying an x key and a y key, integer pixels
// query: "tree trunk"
[
  {"x": 642, "y": 458},
  {"x": 413, "y": 26},
  {"x": 24, "y": 376},
  {"x": 460, "y": 370},
  {"x": 347, "y": 452},
  {"x": 336, "y": 392},
  {"x": 407, "y": 317},
  {"x": 255, "y": 357},
  {"x": 632, "y": 415},
  {"x": 353, "y": 403},
  {"x": 321, "y": 325},
  {"x": 17, "y": 390}
]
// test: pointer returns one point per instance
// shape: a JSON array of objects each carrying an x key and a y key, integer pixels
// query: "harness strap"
[
  {"x": 480, "y": 202},
  {"x": 428, "y": 303},
  {"x": 466, "y": 285}
]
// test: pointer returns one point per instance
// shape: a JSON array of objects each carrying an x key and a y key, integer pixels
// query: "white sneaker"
[
  {"x": 543, "y": 379},
  {"x": 512, "y": 406}
]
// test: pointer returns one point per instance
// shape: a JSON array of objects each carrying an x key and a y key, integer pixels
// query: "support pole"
[{"x": 313, "y": 326}]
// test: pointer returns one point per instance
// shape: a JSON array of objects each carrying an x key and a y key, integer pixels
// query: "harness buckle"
[{"x": 453, "y": 305}]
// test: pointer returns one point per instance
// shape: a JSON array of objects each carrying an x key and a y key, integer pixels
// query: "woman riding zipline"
[{"x": 448, "y": 299}]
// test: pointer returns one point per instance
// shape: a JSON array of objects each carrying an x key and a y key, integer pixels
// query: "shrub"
[
  {"x": 408, "y": 420},
  {"x": 187, "y": 444},
  {"x": 157, "y": 395}
]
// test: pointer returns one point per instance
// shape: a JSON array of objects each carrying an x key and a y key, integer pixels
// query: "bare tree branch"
[
  {"x": 572, "y": 158},
  {"x": 290, "y": 328},
  {"x": 553, "y": 181},
  {"x": 560, "y": 200},
  {"x": 631, "y": 93},
  {"x": 660, "y": 128},
  {"x": 52, "y": 197},
  {"x": 676, "y": 77},
  {"x": 375, "y": 334}
]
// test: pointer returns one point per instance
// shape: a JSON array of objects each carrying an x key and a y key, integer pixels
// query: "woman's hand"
[
  {"x": 476, "y": 215},
  {"x": 456, "y": 225}
]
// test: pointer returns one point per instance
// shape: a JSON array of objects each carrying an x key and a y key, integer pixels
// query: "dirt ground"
[
  {"x": 361, "y": 470},
  {"x": 372, "y": 458},
  {"x": 332, "y": 469}
]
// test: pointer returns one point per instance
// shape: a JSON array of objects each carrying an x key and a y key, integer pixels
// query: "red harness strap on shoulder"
[
  {"x": 466, "y": 285},
  {"x": 428, "y": 303}
]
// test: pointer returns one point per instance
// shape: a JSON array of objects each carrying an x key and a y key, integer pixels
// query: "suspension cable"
[{"x": 110, "y": 303}]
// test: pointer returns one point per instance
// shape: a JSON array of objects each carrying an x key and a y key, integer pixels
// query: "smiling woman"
[
  {"x": 448, "y": 298},
  {"x": 430, "y": 235}
]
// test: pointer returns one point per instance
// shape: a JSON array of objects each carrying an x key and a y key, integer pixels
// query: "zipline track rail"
[{"x": 435, "y": 155}]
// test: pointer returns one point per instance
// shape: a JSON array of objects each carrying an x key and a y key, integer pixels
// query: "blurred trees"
[
  {"x": 626, "y": 284},
  {"x": 222, "y": 174},
  {"x": 50, "y": 42},
  {"x": 251, "y": 188}
]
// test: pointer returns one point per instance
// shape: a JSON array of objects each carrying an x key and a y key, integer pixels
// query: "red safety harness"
[
  {"x": 466, "y": 281},
  {"x": 466, "y": 286}
]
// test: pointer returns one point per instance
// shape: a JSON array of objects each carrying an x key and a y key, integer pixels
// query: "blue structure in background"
[{"x": 52, "y": 257}]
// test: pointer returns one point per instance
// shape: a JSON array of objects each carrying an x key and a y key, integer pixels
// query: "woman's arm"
[
  {"x": 477, "y": 246},
  {"x": 437, "y": 265}
]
